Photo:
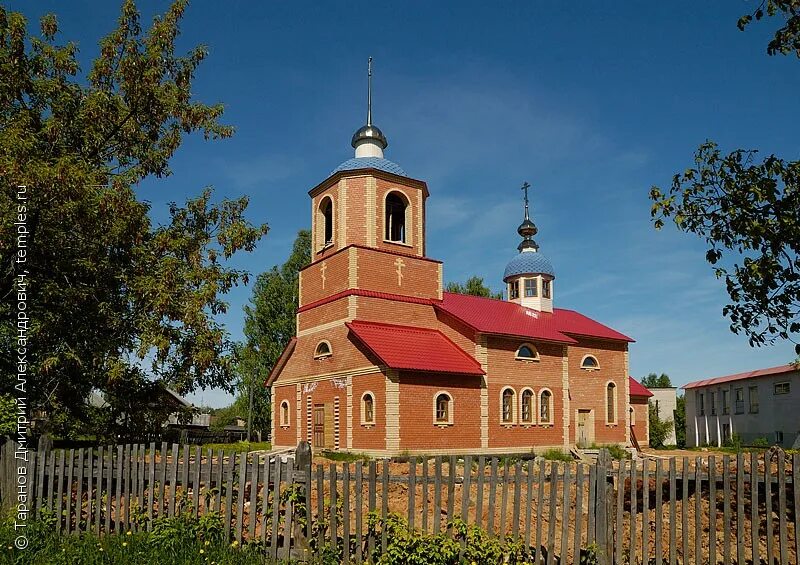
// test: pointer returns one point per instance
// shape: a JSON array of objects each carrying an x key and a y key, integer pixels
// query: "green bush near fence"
[
  {"x": 177, "y": 541},
  {"x": 555, "y": 454}
]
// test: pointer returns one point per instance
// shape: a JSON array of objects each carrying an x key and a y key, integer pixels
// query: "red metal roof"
[
  {"x": 638, "y": 389},
  {"x": 741, "y": 376},
  {"x": 489, "y": 315},
  {"x": 414, "y": 349}
]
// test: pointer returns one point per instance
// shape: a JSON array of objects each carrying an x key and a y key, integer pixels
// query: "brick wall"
[
  {"x": 588, "y": 388},
  {"x": 506, "y": 371},
  {"x": 417, "y": 427},
  {"x": 641, "y": 420},
  {"x": 285, "y": 435}
]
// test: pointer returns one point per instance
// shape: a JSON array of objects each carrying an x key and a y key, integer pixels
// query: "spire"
[
  {"x": 527, "y": 229},
  {"x": 369, "y": 92},
  {"x": 369, "y": 140}
]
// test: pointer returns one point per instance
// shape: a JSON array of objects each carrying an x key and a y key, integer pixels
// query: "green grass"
[
  {"x": 238, "y": 447},
  {"x": 555, "y": 454},
  {"x": 48, "y": 548},
  {"x": 614, "y": 450},
  {"x": 344, "y": 456}
]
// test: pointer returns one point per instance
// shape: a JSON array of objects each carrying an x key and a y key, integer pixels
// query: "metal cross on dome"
[{"x": 525, "y": 187}]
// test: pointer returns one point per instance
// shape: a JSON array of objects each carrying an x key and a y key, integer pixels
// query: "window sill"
[
  {"x": 527, "y": 359},
  {"x": 443, "y": 424},
  {"x": 400, "y": 243},
  {"x": 285, "y": 426},
  {"x": 323, "y": 357},
  {"x": 325, "y": 247},
  {"x": 546, "y": 425},
  {"x": 611, "y": 425},
  {"x": 368, "y": 425},
  {"x": 590, "y": 369}
]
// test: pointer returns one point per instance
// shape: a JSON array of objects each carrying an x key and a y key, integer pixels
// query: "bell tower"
[{"x": 368, "y": 226}]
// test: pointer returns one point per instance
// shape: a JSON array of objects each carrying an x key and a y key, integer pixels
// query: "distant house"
[
  {"x": 665, "y": 399},
  {"x": 761, "y": 404},
  {"x": 639, "y": 413}
]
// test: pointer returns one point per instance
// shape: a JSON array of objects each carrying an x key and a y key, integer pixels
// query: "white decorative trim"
[
  {"x": 352, "y": 261},
  {"x": 342, "y": 232},
  {"x": 628, "y": 400},
  {"x": 392, "y": 409},
  {"x": 615, "y": 420},
  {"x": 308, "y": 419},
  {"x": 338, "y": 374},
  {"x": 482, "y": 356},
  {"x": 349, "y": 412},
  {"x": 336, "y": 423},
  {"x": 298, "y": 414},
  {"x": 565, "y": 399},
  {"x": 450, "y": 408},
  {"x": 372, "y": 210}
]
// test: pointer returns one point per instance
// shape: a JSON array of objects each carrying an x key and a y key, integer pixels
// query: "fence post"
[
  {"x": 302, "y": 461},
  {"x": 601, "y": 509}
]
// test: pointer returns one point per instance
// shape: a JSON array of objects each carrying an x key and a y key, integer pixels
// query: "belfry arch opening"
[{"x": 395, "y": 218}]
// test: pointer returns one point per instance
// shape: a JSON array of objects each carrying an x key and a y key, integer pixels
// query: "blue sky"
[{"x": 592, "y": 103}]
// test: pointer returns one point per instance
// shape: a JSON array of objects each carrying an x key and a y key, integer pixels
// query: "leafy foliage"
[
  {"x": 117, "y": 304},
  {"x": 657, "y": 381},
  {"x": 680, "y": 421},
  {"x": 556, "y": 454},
  {"x": 8, "y": 415},
  {"x": 473, "y": 286},
  {"x": 270, "y": 322},
  {"x": 750, "y": 210},
  {"x": 659, "y": 429}
]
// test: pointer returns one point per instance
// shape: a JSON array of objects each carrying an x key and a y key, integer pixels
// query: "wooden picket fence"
[{"x": 731, "y": 509}]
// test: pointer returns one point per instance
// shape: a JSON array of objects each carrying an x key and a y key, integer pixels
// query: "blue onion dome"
[
  {"x": 528, "y": 262},
  {"x": 370, "y": 163}
]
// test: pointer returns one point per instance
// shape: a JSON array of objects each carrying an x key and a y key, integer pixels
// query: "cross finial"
[
  {"x": 524, "y": 188},
  {"x": 369, "y": 91}
]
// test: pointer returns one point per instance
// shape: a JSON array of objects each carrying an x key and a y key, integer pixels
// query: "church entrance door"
[
  {"x": 319, "y": 425},
  {"x": 585, "y": 434}
]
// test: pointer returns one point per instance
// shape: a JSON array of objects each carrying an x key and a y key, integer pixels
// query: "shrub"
[
  {"x": 760, "y": 442},
  {"x": 555, "y": 454},
  {"x": 615, "y": 451},
  {"x": 659, "y": 429}
]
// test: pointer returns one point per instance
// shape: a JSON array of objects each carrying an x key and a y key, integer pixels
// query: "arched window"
[
  {"x": 395, "y": 217},
  {"x": 545, "y": 407},
  {"x": 326, "y": 214},
  {"x": 323, "y": 350},
  {"x": 367, "y": 408},
  {"x": 611, "y": 403},
  {"x": 526, "y": 405},
  {"x": 507, "y": 406},
  {"x": 285, "y": 413},
  {"x": 443, "y": 408},
  {"x": 590, "y": 362},
  {"x": 527, "y": 352}
]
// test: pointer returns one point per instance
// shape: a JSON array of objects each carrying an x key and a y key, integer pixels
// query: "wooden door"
[
  {"x": 585, "y": 434},
  {"x": 319, "y": 425}
]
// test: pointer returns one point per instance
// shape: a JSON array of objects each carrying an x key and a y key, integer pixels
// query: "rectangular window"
[
  {"x": 778, "y": 437},
  {"x": 782, "y": 388},
  {"x": 545, "y": 288},
  {"x": 513, "y": 290},
  {"x": 726, "y": 404},
  {"x": 701, "y": 404},
  {"x": 712, "y": 401},
  {"x": 739, "y": 401},
  {"x": 753, "y": 398},
  {"x": 531, "y": 287}
]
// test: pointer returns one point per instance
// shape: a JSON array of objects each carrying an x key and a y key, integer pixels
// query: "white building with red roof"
[
  {"x": 385, "y": 362},
  {"x": 755, "y": 405}
]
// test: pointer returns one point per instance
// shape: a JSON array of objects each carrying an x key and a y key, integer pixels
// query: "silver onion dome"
[{"x": 372, "y": 133}]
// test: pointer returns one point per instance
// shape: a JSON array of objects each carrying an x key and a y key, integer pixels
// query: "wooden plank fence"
[{"x": 706, "y": 510}]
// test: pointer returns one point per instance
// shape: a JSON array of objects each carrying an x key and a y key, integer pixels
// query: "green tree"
[
  {"x": 657, "y": 381},
  {"x": 270, "y": 322},
  {"x": 680, "y": 421},
  {"x": 116, "y": 304},
  {"x": 473, "y": 286},
  {"x": 659, "y": 429},
  {"x": 748, "y": 212}
]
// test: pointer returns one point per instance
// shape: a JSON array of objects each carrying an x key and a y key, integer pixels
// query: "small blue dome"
[
  {"x": 370, "y": 163},
  {"x": 529, "y": 263}
]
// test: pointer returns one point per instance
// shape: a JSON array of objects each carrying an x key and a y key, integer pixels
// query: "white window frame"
[
  {"x": 532, "y": 421},
  {"x": 318, "y": 355},
  {"x": 532, "y": 348},
  {"x": 609, "y": 421},
  {"x": 589, "y": 368},
  {"x": 285, "y": 422},
  {"x": 549, "y": 408},
  {"x": 450, "y": 408},
  {"x": 364, "y": 421},
  {"x": 513, "y": 406}
]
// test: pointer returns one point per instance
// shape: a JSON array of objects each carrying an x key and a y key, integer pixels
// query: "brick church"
[{"x": 385, "y": 362}]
